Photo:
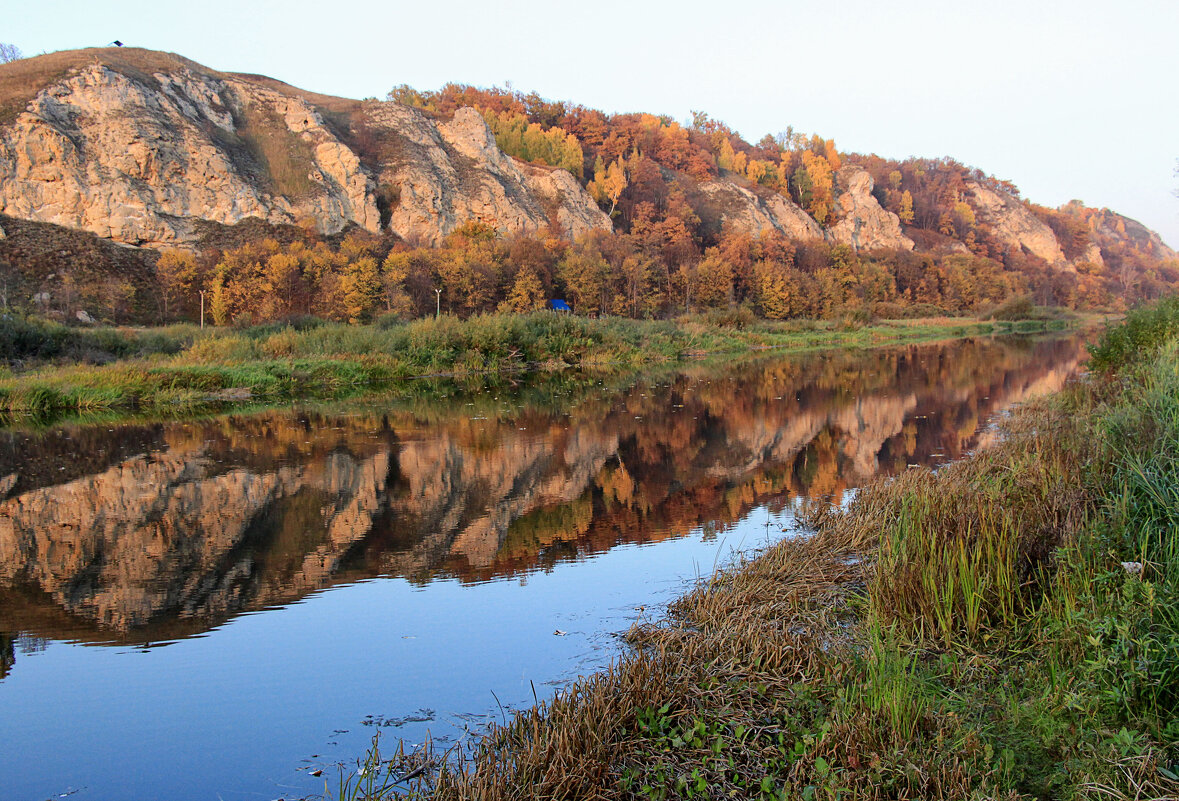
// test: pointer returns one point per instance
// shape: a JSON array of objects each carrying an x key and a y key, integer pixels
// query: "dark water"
[{"x": 213, "y": 609}]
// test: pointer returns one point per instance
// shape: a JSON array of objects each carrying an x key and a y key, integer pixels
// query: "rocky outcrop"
[
  {"x": 446, "y": 174},
  {"x": 743, "y": 210},
  {"x": 1013, "y": 224},
  {"x": 139, "y": 159},
  {"x": 1092, "y": 255},
  {"x": 576, "y": 211},
  {"x": 135, "y": 163},
  {"x": 1124, "y": 232},
  {"x": 862, "y": 222}
]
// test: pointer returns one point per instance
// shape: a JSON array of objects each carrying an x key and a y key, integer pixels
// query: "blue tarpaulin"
[{"x": 559, "y": 305}]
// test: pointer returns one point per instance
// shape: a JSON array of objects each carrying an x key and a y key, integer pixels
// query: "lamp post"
[{"x": 437, "y": 303}]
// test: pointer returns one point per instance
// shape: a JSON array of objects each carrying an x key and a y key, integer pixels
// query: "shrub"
[
  {"x": 1138, "y": 338},
  {"x": 1015, "y": 308}
]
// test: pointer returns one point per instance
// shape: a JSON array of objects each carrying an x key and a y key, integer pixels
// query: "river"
[{"x": 219, "y": 608}]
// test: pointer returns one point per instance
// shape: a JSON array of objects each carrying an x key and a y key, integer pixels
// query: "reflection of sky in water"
[{"x": 233, "y": 712}]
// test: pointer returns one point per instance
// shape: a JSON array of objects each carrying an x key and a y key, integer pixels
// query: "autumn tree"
[
  {"x": 814, "y": 184},
  {"x": 905, "y": 212},
  {"x": 178, "y": 278},
  {"x": 584, "y": 272},
  {"x": 395, "y": 273},
  {"x": 714, "y": 280},
  {"x": 527, "y": 294},
  {"x": 361, "y": 287},
  {"x": 282, "y": 282},
  {"x": 9, "y": 52},
  {"x": 219, "y": 300},
  {"x": 608, "y": 183}
]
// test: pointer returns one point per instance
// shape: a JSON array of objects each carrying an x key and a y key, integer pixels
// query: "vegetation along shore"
[
  {"x": 182, "y": 368},
  {"x": 1003, "y": 627}
]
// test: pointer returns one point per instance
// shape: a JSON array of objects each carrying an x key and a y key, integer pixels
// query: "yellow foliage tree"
[
  {"x": 527, "y": 294},
  {"x": 714, "y": 280},
  {"x": 361, "y": 287},
  {"x": 176, "y": 272},
  {"x": 608, "y": 183},
  {"x": 906, "y": 210},
  {"x": 817, "y": 196}
]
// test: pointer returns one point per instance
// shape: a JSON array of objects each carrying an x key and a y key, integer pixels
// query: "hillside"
[{"x": 499, "y": 199}]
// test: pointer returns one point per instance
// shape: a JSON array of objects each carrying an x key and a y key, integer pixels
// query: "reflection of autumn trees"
[
  {"x": 689, "y": 452},
  {"x": 232, "y": 513}
]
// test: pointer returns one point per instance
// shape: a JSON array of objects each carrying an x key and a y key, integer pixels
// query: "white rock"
[
  {"x": 862, "y": 222},
  {"x": 1013, "y": 224}
]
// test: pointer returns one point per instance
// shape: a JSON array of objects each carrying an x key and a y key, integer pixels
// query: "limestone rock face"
[
  {"x": 1111, "y": 226},
  {"x": 445, "y": 175},
  {"x": 135, "y": 163},
  {"x": 1013, "y": 224},
  {"x": 556, "y": 189},
  {"x": 752, "y": 213},
  {"x": 862, "y": 222},
  {"x": 139, "y": 159}
]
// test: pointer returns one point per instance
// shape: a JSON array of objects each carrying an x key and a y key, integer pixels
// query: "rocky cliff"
[
  {"x": 139, "y": 157},
  {"x": 444, "y": 174},
  {"x": 860, "y": 223},
  {"x": 744, "y": 208},
  {"x": 1012, "y": 224},
  {"x": 137, "y": 147}
]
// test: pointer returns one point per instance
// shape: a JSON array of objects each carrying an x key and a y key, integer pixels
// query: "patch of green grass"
[{"x": 185, "y": 367}]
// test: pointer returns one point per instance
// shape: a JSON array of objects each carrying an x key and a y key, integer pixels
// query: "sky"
[{"x": 1067, "y": 100}]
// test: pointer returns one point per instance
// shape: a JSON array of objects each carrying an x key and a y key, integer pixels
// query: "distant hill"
[{"x": 152, "y": 151}]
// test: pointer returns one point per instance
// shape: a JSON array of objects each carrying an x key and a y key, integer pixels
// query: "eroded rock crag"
[{"x": 139, "y": 158}]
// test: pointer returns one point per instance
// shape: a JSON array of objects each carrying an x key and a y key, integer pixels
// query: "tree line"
[{"x": 655, "y": 271}]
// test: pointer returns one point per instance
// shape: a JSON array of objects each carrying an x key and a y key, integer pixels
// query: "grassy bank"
[
  {"x": 1005, "y": 627},
  {"x": 181, "y": 369}
]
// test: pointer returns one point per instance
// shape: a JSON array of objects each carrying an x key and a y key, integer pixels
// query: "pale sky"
[{"x": 1067, "y": 99}]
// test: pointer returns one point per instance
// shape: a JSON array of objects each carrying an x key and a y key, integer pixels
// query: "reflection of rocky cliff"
[{"x": 160, "y": 531}]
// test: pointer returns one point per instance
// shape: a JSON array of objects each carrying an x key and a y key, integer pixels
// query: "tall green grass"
[{"x": 184, "y": 368}]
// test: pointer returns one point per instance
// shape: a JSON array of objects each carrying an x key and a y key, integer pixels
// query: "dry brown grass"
[
  {"x": 21, "y": 80},
  {"x": 729, "y": 647}
]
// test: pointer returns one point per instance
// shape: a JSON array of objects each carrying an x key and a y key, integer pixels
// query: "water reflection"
[{"x": 153, "y": 532}]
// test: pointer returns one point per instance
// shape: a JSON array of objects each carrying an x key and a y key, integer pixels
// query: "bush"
[
  {"x": 1014, "y": 308},
  {"x": 388, "y": 320},
  {"x": 736, "y": 317},
  {"x": 1138, "y": 338},
  {"x": 887, "y": 310}
]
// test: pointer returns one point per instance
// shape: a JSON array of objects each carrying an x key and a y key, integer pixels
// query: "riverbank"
[
  {"x": 1004, "y": 627},
  {"x": 182, "y": 369}
]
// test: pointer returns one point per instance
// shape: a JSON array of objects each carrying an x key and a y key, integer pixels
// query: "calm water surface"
[{"x": 213, "y": 609}]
